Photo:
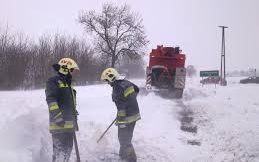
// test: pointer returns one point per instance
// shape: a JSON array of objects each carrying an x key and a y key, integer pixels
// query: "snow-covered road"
[{"x": 226, "y": 119}]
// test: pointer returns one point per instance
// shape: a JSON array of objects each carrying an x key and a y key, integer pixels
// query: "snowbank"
[{"x": 226, "y": 119}]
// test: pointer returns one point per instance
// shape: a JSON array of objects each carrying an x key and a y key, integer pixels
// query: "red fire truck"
[{"x": 166, "y": 71}]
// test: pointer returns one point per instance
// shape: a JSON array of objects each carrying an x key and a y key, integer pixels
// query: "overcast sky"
[{"x": 190, "y": 24}]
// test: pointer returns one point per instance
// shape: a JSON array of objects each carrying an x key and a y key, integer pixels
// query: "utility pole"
[{"x": 223, "y": 80}]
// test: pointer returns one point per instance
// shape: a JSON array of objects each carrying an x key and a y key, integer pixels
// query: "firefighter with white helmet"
[
  {"x": 124, "y": 95},
  {"x": 61, "y": 100}
]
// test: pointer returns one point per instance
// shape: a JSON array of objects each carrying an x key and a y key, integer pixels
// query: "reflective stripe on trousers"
[{"x": 68, "y": 127}]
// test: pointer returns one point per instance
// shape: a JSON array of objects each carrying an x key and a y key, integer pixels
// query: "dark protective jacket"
[
  {"x": 61, "y": 99},
  {"x": 124, "y": 95}
]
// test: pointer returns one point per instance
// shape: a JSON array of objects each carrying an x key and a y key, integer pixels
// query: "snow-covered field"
[{"x": 226, "y": 120}]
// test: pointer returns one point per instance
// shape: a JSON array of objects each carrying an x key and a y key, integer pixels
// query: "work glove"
[
  {"x": 60, "y": 122},
  {"x": 122, "y": 125},
  {"x": 77, "y": 113}
]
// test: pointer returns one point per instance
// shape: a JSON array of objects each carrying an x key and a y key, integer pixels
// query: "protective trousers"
[
  {"x": 62, "y": 146},
  {"x": 125, "y": 135}
]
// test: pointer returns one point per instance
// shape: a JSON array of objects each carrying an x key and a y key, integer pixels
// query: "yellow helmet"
[
  {"x": 110, "y": 75},
  {"x": 67, "y": 65}
]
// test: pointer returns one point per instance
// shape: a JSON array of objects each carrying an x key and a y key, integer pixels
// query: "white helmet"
[
  {"x": 67, "y": 65},
  {"x": 109, "y": 75}
]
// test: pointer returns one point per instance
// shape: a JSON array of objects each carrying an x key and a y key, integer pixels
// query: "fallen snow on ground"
[
  {"x": 226, "y": 119},
  {"x": 228, "y": 122}
]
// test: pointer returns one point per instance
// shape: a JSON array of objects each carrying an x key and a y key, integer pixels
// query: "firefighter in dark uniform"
[
  {"x": 61, "y": 100},
  {"x": 124, "y": 95}
]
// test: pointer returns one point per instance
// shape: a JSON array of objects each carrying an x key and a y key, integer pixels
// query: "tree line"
[
  {"x": 26, "y": 64},
  {"x": 118, "y": 41}
]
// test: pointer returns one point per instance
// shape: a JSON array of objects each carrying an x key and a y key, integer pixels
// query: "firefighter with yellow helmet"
[
  {"x": 61, "y": 100},
  {"x": 124, "y": 95}
]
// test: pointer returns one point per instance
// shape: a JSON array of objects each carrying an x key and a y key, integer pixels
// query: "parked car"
[
  {"x": 210, "y": 80},
  {"x": 251, "y": 79}
]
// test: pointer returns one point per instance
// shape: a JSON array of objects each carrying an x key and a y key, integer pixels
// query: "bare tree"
[
  {"x": 132, "y": 68},
  {"x": 117, "y": 31}
]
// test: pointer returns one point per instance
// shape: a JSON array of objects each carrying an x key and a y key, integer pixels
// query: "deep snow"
[{"x": 226, "y": 119}]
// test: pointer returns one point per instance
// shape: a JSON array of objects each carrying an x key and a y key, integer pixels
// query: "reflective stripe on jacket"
[
  {"x": 125, "y": 97},
  {"x": 60, "y": 97}
]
